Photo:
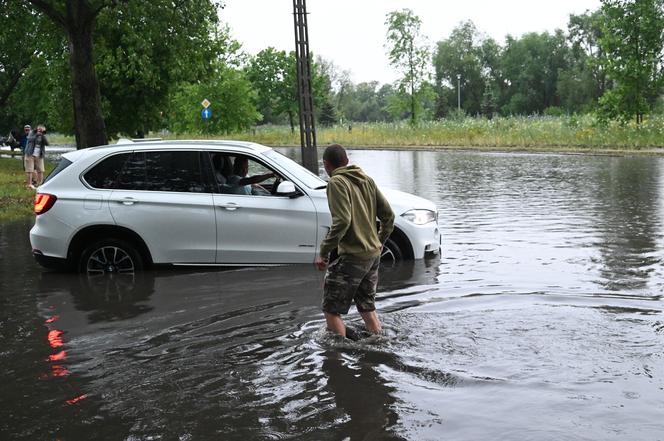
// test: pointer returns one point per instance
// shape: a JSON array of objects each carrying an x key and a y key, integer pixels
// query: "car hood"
[
  {"x": 399, "y": 201},
  {"x": 402, "y": 201}
]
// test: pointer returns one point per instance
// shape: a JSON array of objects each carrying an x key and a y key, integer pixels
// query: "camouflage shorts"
[{"x": 349, "y": 279}]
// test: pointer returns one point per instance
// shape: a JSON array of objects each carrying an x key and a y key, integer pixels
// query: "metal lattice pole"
[{"x": 305, "y": 97}]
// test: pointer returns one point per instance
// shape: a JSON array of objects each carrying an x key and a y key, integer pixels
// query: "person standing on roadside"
[
  {"x": 352, "y": 271},
  {"x": 34, "y": 156},
  {"x": 23, "y": 138}
]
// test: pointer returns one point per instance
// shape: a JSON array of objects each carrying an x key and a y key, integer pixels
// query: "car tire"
[
  {"x": 110, "y": 256},
  {"x": 391, "y": 253}
]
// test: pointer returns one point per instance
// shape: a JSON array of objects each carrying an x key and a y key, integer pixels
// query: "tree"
[
  {"x": 328, "y": 116},
  {"x": 77, "y": 19},
  {"x": 128, "y": 51},
  {"x": 585, "y": 33},
  {"x": 633, "y": 39},
  {"x": 488, "y": 101},
  {"x": 232, "y": 107},
  {"x": 530, "y": 67},
  {"x": 144, "y": 50},
  {"x": 461, "y": 54},
  {"x": 409, "y": 54},
  {"x": 29, "y": 49},
  {"x": 272, "y": 74}
]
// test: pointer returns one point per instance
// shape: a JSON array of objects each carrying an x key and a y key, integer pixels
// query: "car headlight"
[{"x": 420, "y": 217}]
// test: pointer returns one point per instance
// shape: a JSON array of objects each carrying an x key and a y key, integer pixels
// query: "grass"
[
  {"x": 535, "y": 133},
  {"x": 562, "y": 134},
  {"x": 16, "y": 201}
]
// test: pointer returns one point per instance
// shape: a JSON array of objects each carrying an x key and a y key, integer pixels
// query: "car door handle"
[
  {"x": 229, "y": 206},
  {"x": 127, "y": 201}
]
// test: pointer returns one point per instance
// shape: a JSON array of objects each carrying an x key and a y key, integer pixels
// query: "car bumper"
[
  {"x": 49, "y": 262},
  {"x": 425, "y": 239},
  {"x": 50, "y": 238}
]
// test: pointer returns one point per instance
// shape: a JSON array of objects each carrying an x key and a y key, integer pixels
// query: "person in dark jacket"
[
  {"x": 23, "y": 137},
  {"x": 33, "y": 156},
  {"x": 352, "y": 272}
]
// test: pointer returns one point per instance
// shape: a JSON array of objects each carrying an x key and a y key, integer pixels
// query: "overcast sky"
[{"x": 352, "y": 33}]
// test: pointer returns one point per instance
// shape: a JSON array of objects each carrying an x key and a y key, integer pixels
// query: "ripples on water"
[{"x": 542, "y": 320}]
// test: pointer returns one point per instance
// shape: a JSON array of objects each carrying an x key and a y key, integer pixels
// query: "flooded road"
[{"x": 542, "y": 320}]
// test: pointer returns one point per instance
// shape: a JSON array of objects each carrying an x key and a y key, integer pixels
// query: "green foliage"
[
  {"x": 273, "y": 77},
  {"x": 588, "y": 57},
  {"x": 409, "y": 54},
  {"x": 489, "y": 103},
  {"x": 633, "y": 39},
  {"x": 144, "y": 49},
  {"x": 531, "y": 66},
  {"x": 328, "y": 115},
  {"x": 31, "y": 52},
  {"x": 232, "y": 107},
  {"x": 459, "y": 62},
  {"x": 540, "y": 133},
  {"x": 368, "y": 102},
  {"x": 554, "y": 111}
]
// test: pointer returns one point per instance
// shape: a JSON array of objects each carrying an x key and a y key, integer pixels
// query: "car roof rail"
[
  {"x": 132, "y": 140},
  {"x": 146, "y": 139}
]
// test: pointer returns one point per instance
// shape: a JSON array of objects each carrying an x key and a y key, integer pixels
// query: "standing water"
[{"x": 542, "y": 320}]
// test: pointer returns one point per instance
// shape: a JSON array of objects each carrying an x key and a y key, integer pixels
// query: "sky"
[{"x": 351, "y": 33}]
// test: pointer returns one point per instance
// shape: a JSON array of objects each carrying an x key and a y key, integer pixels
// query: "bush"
[{"x": 554, "y": 111}]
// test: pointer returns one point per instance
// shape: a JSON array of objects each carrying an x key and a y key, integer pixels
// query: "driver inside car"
[{"x": 240, "y": 183}]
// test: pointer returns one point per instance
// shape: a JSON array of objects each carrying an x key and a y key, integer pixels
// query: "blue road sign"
[{"x": 206, "y": 113}]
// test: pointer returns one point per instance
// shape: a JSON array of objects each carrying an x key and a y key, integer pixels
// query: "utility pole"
[
  {"x": 305, "y": 98},
  {"x": 459, "y": 92}
]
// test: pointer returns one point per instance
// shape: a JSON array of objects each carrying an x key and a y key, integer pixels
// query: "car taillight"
[{"x": 43, "y": 202}]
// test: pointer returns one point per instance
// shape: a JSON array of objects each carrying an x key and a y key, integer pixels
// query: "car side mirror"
[{"x": 287, "y": 188}]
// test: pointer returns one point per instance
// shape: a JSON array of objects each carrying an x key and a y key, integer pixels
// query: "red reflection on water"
[
  {"x": 52, "y": 319},
  {"x": 77, "y": 399},
  {"x": 59, "y": 371},
  {"x": 57, "y": 357},
  {"x": 54, "y": 338}
]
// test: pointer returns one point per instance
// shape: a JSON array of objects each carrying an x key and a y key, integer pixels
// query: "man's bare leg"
[
  {"x": 371, "y": 321},
  {"x": 335, "y": 324},
  {"x": 29, "y": 179}
]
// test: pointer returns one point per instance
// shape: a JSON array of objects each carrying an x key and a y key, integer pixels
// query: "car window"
[
  {"x": 132, "y": 176},
  {"x": 174, "y": 171},
  {"x": 105, "y": 174},
  {"x": 243, "y": 175},
  {"x": 305, "y": 176}
]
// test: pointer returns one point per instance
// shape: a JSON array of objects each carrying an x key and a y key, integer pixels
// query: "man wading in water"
[{"x": 352, "y": 274}]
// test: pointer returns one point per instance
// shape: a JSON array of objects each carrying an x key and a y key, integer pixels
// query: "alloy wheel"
[{"x": 109, "y": 260}]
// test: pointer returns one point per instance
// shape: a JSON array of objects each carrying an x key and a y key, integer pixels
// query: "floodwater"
[{"x": 542, "y": 320}]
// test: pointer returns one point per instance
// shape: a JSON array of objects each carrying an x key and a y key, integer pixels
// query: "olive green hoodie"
[{"x": 355, "y": 202}]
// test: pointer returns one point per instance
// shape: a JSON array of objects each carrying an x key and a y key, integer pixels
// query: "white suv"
[{"x": 121, "y": 208}]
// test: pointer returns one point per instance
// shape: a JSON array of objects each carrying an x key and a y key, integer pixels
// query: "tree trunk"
[{"x": 89, "y": 121}]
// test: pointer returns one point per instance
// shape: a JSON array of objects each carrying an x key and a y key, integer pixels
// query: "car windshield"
[{"x": 302, "y": 174}]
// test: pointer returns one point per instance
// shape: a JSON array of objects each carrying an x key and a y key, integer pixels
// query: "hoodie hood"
[{"x": 352, "y": 173}]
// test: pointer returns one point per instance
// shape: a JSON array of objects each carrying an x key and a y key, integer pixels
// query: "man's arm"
[
  {"x": 250, "y": 180},
  {"x": 339, "y": 203},
  {"x": 385, "y": 215}
]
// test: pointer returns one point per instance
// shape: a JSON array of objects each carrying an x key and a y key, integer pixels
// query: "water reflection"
[
  {"x": 118, "y": 297},
  {"x": 369, "y": 404},
  {"x": 627, "y": 219}
]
